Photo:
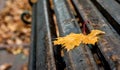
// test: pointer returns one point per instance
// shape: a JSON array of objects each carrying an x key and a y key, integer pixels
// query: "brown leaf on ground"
[
  {"x": 5, "y": 66},
  {"x": 15, "y": 50},
  {"x": 12, "y": 29},
  {"x": 33, "y": 1},
  {"x": 26, "y": 51},
  {"x": 25, "y": 67}
]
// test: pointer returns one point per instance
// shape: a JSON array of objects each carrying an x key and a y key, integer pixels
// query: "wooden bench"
[{"x": 95, "y": 14}]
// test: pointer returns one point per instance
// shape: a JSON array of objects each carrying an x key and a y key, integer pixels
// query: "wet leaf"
[{"x": 73, "y": 40}]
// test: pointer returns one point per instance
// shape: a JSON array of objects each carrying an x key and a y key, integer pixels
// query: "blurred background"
[{"x": 14, "y": 35}]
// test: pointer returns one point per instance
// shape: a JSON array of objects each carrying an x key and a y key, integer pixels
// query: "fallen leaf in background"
[
  {"x": 26, "y": 51},
  {"x": 74, "y": 40},
  {"x": 14, "y": 34},
  {"x": 5, "y": 66},
  {"x": 18, "y": 41},
  {"x": 15, "y": 50},
  {"x": 9, "y": 41},
  {"x": 12, "y": 29},
  {"x": 25, "y": 67},
  {"x": 33, "y": 1}
]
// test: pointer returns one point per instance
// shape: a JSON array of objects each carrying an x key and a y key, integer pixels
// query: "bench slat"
[
  {"x": 75, "y": 59},
  {"x": 110, "y": 40},
  {"x": 41, "y": 57}
]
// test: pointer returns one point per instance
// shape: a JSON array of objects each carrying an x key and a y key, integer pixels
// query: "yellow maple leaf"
[
  {"x": 73, "y": 40},
  {"x": 92, "y": 38}
]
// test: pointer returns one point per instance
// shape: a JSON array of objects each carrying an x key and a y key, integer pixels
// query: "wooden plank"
[
  {"x": 112, "y": 7},
  {"x": 78, "y": 58},
  {"x": 110, "y": 40},
  {"x": 111, "y": 10},
  {"x": 41, "y": 51}
]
